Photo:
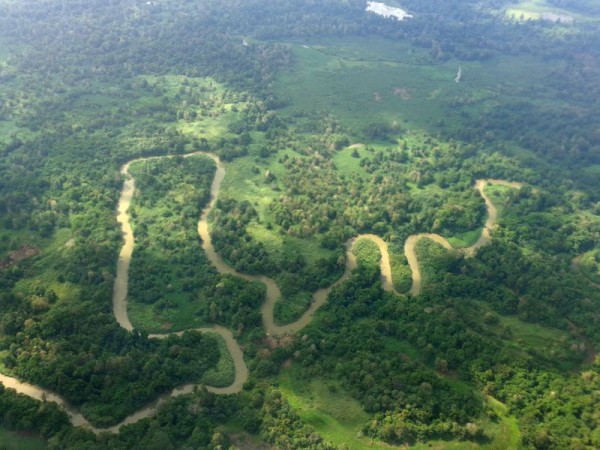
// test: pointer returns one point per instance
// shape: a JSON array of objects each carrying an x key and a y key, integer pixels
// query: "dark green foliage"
[
  {"x": 22, "y": 413},
  {"x": 87, "y": 86},
  {"x": 283, "y": 428},
  {"x": 233, "y": 242},
  {"x": 566, "y": 405}
]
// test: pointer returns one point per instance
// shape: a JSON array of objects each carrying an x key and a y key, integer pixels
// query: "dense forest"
[{"x": 330, "y": 122}]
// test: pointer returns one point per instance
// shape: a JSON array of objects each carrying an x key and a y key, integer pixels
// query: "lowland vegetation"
[{"x": 331, "y": 123}]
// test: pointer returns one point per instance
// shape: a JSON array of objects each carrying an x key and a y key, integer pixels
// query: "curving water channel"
[{"x": 272, "y": 296}]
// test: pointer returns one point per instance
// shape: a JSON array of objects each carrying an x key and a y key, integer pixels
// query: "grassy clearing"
[
  {"x": 7, "y": 129},
  {"x": 11, "y": 440},
  {"x": 326, "y": 407},
  {"x": 507, "y": 433},
  {"x": 208, "y": 114},
  {"x": 466, "y": 239},
  {"x": 549, "y": 346},
  {"x": 402, "y": 347},
  {"x": 245, "y": 180},
  {"x": 538, "y": 9},
  {"x": 345, "y": 49},
  {"x": 545, "y": 343},
  {"x": 404, "y": 90},
  {"x": 281, "y": 246},
  {"x": 339, "y": 418},
  {"x": 180, "y": 316},
  {"x": 320, "y": 82},
  {"x": 348, "y": 164},
  {"x": 11, "y": 240},
  {"x": 48, "y": 274}
]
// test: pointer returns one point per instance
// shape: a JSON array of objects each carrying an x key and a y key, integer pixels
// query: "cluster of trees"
[
  {"x": 231, "y": 238},
  {"x": 186, "y": 422},
  {"x": 78, "y": 102},
  {"x": 347, "y": 344},
  {"x": 295, "y": 278},
  {"x": 22, "y": 413},
  {"x": 171, "y": 194},
  {"x": 81, "y": 353},
  {"x": 350, "y": 343},
  {"x": 282, "y": 427},
  {"x": 320, "y": 201},
  {"x": 169, "y": 269},
  {"x": 126, "y": 40},
  {"x": 555, "y": 410}
]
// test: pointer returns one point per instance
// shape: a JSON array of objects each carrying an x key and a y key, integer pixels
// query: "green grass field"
[
  {"x": 333, "y": 413},
  {"x": 48, "y": 274},
  {"x": 548, "y": 346},
  {"x": 393, "y": 84},
  {"x": 347, "y": 164},
  {"x": 466, "y": 239},
  {"x": 539, "y": 9},
  {"x": 339, "y": 418},
  {"x": 181, "y": 316}
]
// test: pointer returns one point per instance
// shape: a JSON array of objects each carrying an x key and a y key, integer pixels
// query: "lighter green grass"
[
  {"x": 242, "y": 182},
  {"x": 214, "y": 112},
  {"x": 542, "y": 343},
  {"x": 179, "y": 317},
  {"x": 357, "y": 81},
  {"x": 339, "y": 418},
  {"x": 534, "y": 10},
  {"x": 326, "y": 407},
  {"x": 401, "y": 347},
  {"x": 349, "y": 165},
  {"x": 466, "y": 239},
  {"x": 7, "y": 129},
  {"x": 47, "y": 277},
  {"x": 284, "y": 246}
]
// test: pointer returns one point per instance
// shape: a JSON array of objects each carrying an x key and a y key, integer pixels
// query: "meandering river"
[{"x": 272, "y": 296}]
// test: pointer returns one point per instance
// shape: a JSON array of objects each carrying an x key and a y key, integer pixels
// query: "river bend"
[{"x": 272, "y": 296}]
